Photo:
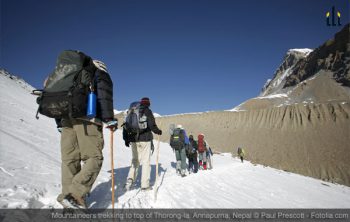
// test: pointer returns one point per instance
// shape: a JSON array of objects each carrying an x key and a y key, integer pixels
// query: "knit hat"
[{"x": 145, "y": 101}]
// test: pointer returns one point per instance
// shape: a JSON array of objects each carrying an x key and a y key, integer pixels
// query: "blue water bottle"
[{"x": 91, "y": 106}]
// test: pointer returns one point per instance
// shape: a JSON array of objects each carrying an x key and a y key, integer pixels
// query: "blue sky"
[{"x": 186, "y": 55}]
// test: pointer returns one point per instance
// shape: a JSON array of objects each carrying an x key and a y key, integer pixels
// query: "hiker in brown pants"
[{"x": 82, "y": 141}]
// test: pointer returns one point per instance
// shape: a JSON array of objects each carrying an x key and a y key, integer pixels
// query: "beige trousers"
[
  {"x": 141, "y": 155},
  {"x": 81, "y": 141}
]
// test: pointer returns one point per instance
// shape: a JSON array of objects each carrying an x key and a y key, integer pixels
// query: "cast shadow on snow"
[
  {"x": 173, "y": 165},
  {"x": 100, "y": 197}
]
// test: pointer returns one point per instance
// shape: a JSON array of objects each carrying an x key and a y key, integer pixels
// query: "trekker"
[
  {"x": 202, "y": 152},
  {"x": 140, "y": 124},
  {"x": 178, "y": 143},
  {"x": 209, "y": 155},
  {"x": 192, "y": 155},
  {"x": 241, "y": 153},
  {"x": 82, "y": 140}
]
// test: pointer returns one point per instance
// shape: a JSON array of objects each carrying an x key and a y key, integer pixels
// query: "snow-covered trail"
[
  {"x": 230, "y": 184},
  {"x": 30, "y": 171}
]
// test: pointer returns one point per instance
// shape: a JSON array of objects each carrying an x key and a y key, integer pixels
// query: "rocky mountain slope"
[{"x": 301, "y": 120}]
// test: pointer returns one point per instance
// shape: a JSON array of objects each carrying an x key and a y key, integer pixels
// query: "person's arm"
[
  {"x": 151, "y": 122},
  {"x": 171, "y": 141},
  {"x": 126, "y": 137},
  {"x": 206, "y": 145},
  {"x": 104, "y": 94},
  {"x": 187, "y": 141}
]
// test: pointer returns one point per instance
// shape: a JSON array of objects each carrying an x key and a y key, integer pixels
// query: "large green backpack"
[
  {"x": 177, "y": 139},
  {"x": 67, "y": 87}
]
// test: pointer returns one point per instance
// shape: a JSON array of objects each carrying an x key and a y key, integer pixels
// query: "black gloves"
[
  {"x": 112, "y": 124},
  {"x": 127, "y": 143},
  {"x": 159, "y": 132}
]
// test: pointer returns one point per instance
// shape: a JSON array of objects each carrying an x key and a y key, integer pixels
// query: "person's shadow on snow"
[{"x": 101, "y": 195}]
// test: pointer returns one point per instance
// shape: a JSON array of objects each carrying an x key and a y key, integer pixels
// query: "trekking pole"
[
  {"x": 157, "y": 159},
  {"x": 112, "y": 170}
]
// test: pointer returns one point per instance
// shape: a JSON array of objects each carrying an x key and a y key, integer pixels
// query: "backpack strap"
[
  {"x": 37, "y": 113},
  {"x": 38, "y": 92}
]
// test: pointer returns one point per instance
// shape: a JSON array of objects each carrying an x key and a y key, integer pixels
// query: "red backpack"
[{"x": 201, "y": 143}]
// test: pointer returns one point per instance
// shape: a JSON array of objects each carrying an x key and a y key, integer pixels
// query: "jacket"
[
  {"x": 193, "y": 147},
  {"x": 104, "y": 95},
  {"x": 104, "y": 99},
  {"x": 146, "y": 134}
]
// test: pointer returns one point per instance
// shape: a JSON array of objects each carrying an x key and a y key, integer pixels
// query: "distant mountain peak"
[
  {"x": 308, "y": 75},
  {"x": 292, "y": 57}
]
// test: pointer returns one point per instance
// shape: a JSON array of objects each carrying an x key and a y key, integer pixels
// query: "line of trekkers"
[
  {"x": 137, "y": 128},
  {"x": 185, "y": 146}
]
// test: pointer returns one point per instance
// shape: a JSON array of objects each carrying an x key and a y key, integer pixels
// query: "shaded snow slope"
[{"x": 30, "y": 171}]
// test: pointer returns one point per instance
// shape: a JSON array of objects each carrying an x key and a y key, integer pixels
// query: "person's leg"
[
  {"x": 144, "y": 150},
  {"x": 135, "y": 163},
  {"x": 183, "y": 160},
  {"x": 90, "y": 141},
  {"x": 195, "y": 163},
  {"x": 200, "y": 157},
  {"x": 70, "y": 156},
  {"x": 190, "y": 164},
  {"x": 209, "y": 162},
  {"x": 204, "y": 156},
  {"x": 178, "y": 161}
]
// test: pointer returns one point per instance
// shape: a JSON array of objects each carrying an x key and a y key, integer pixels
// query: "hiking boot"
[
  {"x": 178, "y": 172},
  {"x": 79, "y": 201},
  {"x": 146, "y": 188},
  {"x": 205, "y": 166},
  {"x": 67, "y": 202},
  {"x": 183, "y": 173},
  {"x": 128, "y": 184}
]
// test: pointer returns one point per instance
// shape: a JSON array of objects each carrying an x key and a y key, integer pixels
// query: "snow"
[
  {"x": 266, "y": 83},
  {"x": 237, "y": 108},
  {"x": 156, "y": 115},
  {"x": 285, "y": 74},
  {"x": 116, "y": 112},
  {"x": 306, "y": 51},
  {"x": 30, "y": 171},
  {"x": 273, "y": 96}
]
